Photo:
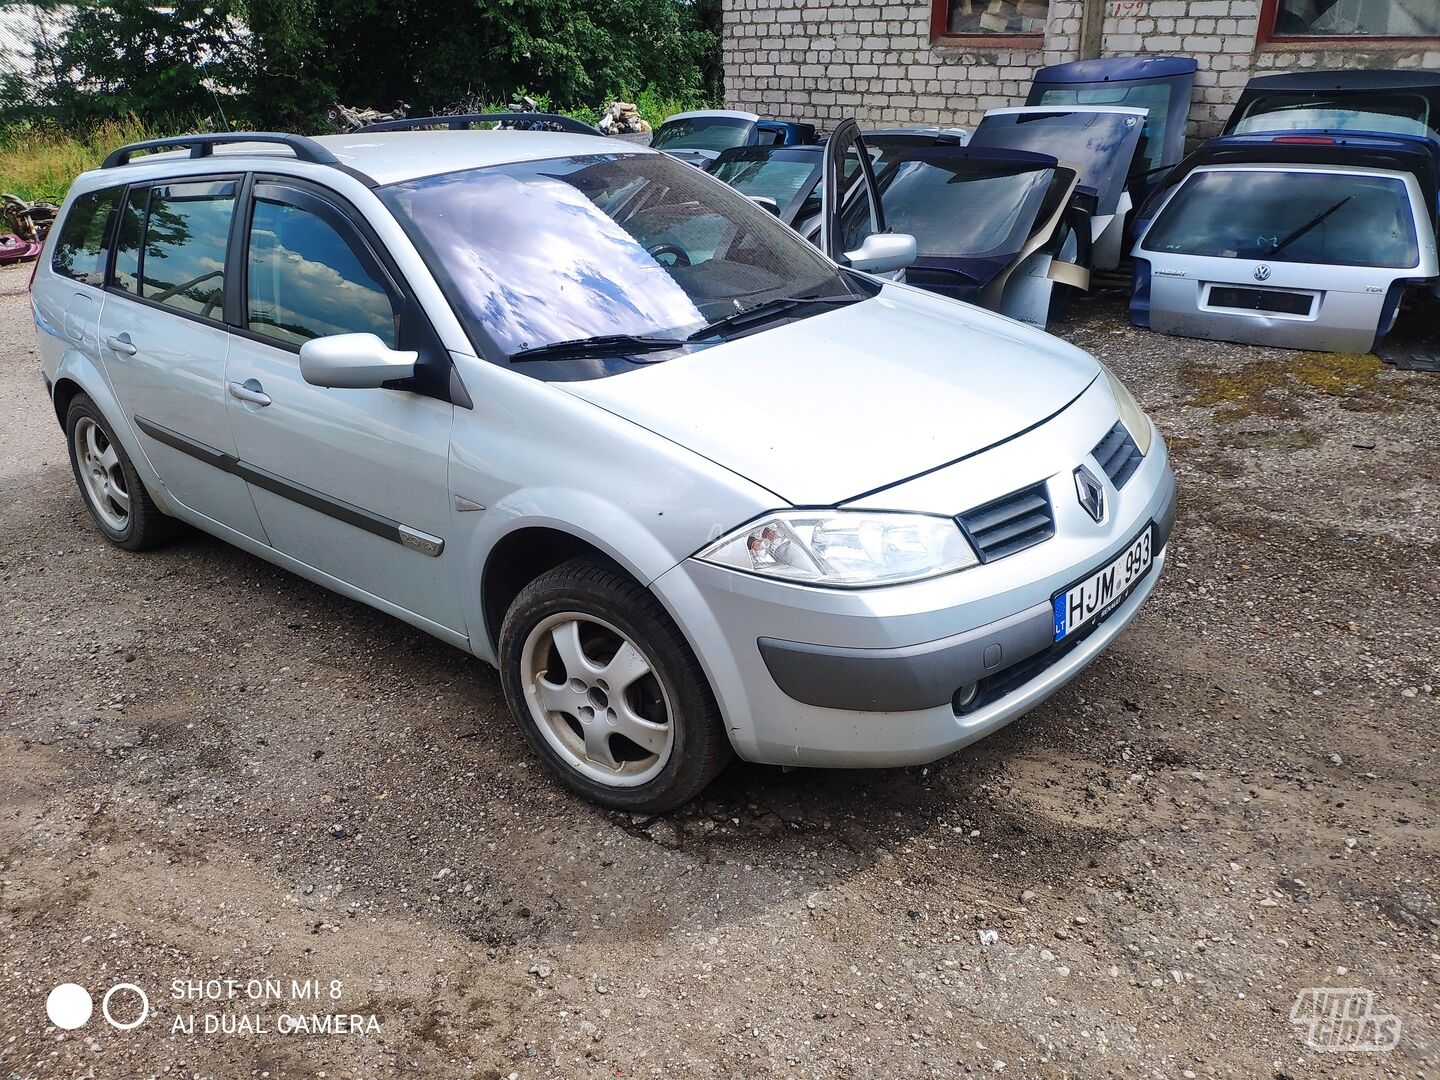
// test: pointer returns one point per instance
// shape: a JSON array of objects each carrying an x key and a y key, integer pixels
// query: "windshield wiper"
[
  {"x": 601, "y": 345},
  {"x": 1316, "y": 220},
  {"x": 767, "y": 310}
]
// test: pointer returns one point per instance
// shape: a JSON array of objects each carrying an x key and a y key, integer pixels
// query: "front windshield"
[
  {"x": 703, "y": 133},
  {"x": 539, "y": 252},
  {"x": 1325, "y": 218},
  {"x": 955, "y": 206},
  {"x": 1395, "y": 114},
  {"x": 1099, "y": 146}
]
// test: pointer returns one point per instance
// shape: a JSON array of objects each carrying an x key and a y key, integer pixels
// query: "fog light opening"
[{"x": 965, "y": 696}]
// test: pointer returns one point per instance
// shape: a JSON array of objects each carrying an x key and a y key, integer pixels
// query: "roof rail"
[
  {"x": 524, "y": 121},
  {"x": 204, "y": 145}
]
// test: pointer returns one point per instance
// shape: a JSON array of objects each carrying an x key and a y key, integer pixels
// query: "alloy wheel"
[
  {"x": 101, "y": 474},
  {"x": 596, "y": 699}
]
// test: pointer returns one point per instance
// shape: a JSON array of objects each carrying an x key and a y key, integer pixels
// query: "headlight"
[
  {"x": 844, "y": 548},
  {"x": 1136, "y": 422}
]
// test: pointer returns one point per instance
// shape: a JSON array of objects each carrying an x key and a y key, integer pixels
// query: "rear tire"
[
  {"x": 111, "y": 488},
  {"x": 608, "y": 692}
]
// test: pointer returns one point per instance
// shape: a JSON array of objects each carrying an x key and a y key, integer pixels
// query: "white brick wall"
[{"x": 823, "y": 60}]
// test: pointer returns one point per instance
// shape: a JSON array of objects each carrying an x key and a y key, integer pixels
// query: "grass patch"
[{"x": 1267, "y": 387}]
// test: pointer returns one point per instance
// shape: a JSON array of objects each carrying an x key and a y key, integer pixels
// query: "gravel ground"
[{"x": 213, "y": 770}]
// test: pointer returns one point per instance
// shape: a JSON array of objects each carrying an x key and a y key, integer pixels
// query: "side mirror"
[
  {"x": 881, "y": 253},
  {"x": 354, "y": 362},
  {"x": 765, "y": 202}
]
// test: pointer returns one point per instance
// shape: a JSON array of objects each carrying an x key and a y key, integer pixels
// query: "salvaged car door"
[
  {"x": 848, "y": 176},
  {"x": 1026, "y": 288}
]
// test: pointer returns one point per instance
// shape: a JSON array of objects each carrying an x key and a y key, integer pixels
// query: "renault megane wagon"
[{"x": 695, "y": 488}]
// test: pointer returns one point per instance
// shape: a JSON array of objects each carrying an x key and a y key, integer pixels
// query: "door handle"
[
  {"x": 250, "y": 390},
  {"x": 121, "y": 344}
]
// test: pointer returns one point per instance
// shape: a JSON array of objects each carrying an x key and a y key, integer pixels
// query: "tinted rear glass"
[
  {"x": 702, "y": 133},
  {"x": 82, "y": 248},
  {"x": 1100, "y": 146},
  {"x": 767, "y": 177},
  {"x": 958, "y": 206},
  {"x": 1302, "y": 217},
  {"x": 1152, "y": 96},
  {"x": 1394, "y": 113}
]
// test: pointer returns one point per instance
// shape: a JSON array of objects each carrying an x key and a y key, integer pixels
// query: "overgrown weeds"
[{"x": 38, "y": 163}]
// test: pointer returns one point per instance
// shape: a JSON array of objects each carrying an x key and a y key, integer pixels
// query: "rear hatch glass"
[
  {"x": 1101, "y": 146},
  {"x": 1323, "y": 218},
  {"x": 956, "y": 206},
  {"x": 1395, "y": 113}
]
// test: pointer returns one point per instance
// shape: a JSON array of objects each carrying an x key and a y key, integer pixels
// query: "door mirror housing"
[
  {"x": 765, "y": 202},
  {"x": 354, "y": 362},
  {"x": 880, "y": 253}
]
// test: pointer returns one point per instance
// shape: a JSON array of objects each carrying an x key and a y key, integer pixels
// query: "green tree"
[{"x": 132, "y": 56}]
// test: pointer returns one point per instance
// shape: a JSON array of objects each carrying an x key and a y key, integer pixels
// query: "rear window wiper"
[
  {"x": 1303, "y": 229},
  {"x": 600, "y": 345},
  {"x": 768, "y": 310}
]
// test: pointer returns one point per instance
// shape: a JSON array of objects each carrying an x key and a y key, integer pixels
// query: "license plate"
[{"x": 1100, "y": 593}]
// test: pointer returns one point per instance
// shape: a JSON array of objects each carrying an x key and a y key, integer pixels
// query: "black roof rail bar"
[
  {"x": 204, "y": 145},
  {"x": 527, "y": 121}
]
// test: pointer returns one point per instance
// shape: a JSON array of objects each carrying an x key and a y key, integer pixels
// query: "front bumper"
[{"x": 868, "y": 678}]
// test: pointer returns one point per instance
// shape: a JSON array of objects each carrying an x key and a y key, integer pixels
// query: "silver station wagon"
[{"x": 696, "y": 489}]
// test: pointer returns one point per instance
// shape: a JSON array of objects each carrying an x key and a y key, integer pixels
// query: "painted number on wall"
[{"x": 1123, "y": 8}]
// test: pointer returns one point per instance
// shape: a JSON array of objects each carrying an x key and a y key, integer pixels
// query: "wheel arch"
[
  {"x": 64, "y": 393},
  {"x": 78, "y": 374},
  {"x": 518, "y": 558}
]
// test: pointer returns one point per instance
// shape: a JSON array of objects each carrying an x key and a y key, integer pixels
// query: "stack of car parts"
[
  {"x": 29, "y": 221},
  {"x": 989, "y": 225},
  {"x": 1305, "y": 225}
]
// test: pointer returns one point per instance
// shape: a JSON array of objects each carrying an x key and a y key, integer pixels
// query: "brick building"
[{"x": 947, "y": 61}]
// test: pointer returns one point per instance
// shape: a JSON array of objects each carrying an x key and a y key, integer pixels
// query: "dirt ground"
[{"x": 213, "y": 770}]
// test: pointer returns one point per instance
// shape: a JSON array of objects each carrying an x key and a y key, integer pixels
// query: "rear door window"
[
  {"x": 83, "y": 246},
  {"x": 1325, "y": 218},
  {"x": 187, "y": 233}
]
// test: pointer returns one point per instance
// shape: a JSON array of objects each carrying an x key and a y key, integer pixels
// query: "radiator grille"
[
  {"x": 1118, "y": 455},
  {"x": 1013, "y": 523}
]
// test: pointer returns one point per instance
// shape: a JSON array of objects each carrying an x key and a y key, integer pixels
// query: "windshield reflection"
[{"x": 535, "y": 253}]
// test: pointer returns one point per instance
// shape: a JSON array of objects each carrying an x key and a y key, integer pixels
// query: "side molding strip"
[{"x": 371, "y": 522}]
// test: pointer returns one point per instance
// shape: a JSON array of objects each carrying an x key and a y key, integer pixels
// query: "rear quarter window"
[{"x": 82, "y": 249}]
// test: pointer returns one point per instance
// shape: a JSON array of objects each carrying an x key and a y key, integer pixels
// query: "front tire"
[
  {"x": 112, "y": 489},
  {"x": 607, "y": 691}
]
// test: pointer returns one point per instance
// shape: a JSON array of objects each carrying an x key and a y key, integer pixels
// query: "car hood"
[{"x": 841, "y": 404}]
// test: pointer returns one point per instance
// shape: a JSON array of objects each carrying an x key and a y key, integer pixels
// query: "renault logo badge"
[
  {"x": 1262, "y": 273},
  {"x": 1091, "y": 492}
]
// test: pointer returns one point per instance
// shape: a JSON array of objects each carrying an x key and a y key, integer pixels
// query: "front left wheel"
[{"x": 607, "y": 690}]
